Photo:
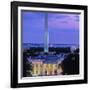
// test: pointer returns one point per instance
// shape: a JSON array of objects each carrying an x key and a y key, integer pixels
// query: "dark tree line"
[
  {"x": 71, "y": 64},
  {"x": 36, "y": 51},
  {"x": 27, "y": 66}
]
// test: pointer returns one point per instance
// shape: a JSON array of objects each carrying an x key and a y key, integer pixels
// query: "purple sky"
[{"x": 63, "y": 27}]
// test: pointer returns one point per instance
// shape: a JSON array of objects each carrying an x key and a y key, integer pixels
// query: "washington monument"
[{"x": 46, "y": 37}]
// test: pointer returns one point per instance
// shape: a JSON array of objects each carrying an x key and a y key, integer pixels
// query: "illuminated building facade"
[{"x": 46, "y": 67}]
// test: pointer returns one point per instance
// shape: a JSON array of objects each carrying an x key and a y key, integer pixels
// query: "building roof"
[
  {"x": 46, "y": 59},
  {"x": 51, "y": 59}
]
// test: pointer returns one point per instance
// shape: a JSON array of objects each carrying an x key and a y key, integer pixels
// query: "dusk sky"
[{"x": 63, "y": 27}]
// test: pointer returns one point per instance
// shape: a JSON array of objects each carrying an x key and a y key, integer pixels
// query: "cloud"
[
  {"x": 64, "y": 21},
  {"x": 58, "y": 16},
  {"x": 62, "y": 26}
]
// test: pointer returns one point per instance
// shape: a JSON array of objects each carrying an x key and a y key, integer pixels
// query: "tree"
[
  {"x": 27, "y": 66},
  {"x": 71, "y": 64}
]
